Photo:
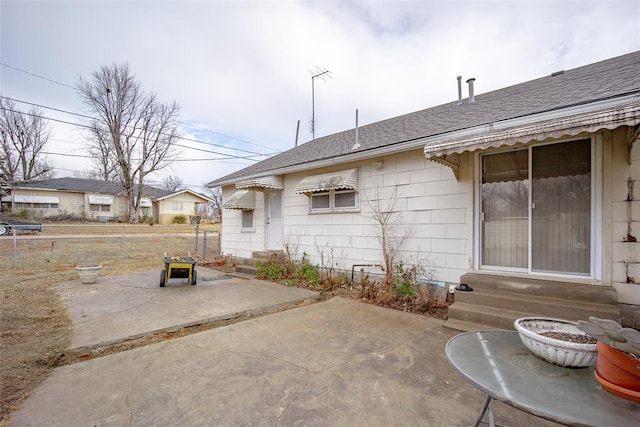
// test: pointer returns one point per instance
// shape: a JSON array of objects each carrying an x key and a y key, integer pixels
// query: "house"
[
  {"x": 528, "y": 194},
  {"x": 182, "y": 202},
  {"x": 96, "y": 199}
]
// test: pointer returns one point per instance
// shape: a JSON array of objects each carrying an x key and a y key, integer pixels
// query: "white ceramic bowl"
[{"x": 556, "y": 351}]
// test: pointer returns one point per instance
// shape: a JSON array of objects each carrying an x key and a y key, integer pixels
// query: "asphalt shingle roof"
[
  {"x": 591, "y": 83},
  {"x": 84, "y": 185}
]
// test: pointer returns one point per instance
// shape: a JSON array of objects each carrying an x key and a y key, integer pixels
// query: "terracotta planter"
[{"x": 618, "y": 373}]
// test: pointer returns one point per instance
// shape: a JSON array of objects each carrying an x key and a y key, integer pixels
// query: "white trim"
[
  {"x": 477, "y": 211},
  {"x": 598, "y": 202}
]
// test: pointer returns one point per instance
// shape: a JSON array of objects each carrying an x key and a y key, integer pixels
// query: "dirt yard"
[{"x": 35, "y": 326}]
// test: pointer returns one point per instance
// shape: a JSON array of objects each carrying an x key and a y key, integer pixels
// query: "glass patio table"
[{"x": 501, "y": 366}]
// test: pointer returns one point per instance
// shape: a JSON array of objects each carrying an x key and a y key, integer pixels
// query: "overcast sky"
[{"x": 242, "y": 70}]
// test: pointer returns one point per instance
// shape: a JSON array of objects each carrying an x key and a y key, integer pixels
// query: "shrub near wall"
[{"x": 179, "y": 219}]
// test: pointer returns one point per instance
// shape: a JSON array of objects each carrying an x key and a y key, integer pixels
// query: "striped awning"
[
  {"x": 27, "y": 198},
  {"x": 241, "y": 199},
  {"x": 445, "y": 150},
  {"x": 272, "y": 182},
  {"x": 341, "y": 180}
]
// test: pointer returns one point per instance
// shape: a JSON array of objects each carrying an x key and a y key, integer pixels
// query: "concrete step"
[
  {"x": 540, "y": 305},
  {"x": 497, "y": 301},
  {"x": 267, "y": 255},
  {"x": 246, "y": 269},
  {"x": 462, "y": 326},
  {"x": 480, "y": 316},
  {"x": 248, "y": 265},
  {"x": 539, "y": 287}
]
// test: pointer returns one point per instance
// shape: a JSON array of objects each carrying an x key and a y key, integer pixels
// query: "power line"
[
  {"x": 93, "y": 118},
  {"x": 182, "y": 123},
  {"x": 87, "y": 156},
  {"x": 227, "y": 136},
  {"x": 36, "y": 75},
  {"x": 230, "y": 156}
]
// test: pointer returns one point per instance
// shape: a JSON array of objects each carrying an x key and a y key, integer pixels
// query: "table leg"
[{"x": 486, "y": 406}]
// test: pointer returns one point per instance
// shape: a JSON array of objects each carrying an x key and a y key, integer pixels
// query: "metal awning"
[
  {"x": 27, "y": 198},
  {"x": 445, "y": 150},
  {"x": 241, "y": 199},
  {"x": 341, "y": 180},
  {"x": 100, "y": 200},
  {"x": 260, "y": 184}
]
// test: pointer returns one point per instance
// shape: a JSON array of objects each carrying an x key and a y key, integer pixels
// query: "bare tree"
[
  {"x": 133, "y": 134},
  {"x": 24, "y": 136},
  {"x": 215, "y": 206},
  {"x": 92, "y": 174},
  {"x": 173, "y": 183},
  {"x": 102, "y": 152},
  {"x": 390, "y": 233}
]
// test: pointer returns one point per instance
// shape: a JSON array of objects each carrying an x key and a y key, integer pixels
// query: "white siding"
[
  {"x": 625, "y": 219},
  {"x": 429, "y": 201},
  {"x": 238, "y": 242}
]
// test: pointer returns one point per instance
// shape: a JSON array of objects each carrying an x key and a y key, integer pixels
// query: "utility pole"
[{"x": 321, "y": 73}]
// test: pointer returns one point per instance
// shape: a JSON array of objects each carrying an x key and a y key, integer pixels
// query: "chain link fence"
[{"x": 61, "y": 246}]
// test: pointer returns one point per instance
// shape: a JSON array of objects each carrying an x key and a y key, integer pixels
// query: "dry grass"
[{"x": 35, "y": 325}]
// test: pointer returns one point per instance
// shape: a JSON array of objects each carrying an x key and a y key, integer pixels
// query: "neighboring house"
[
  {"x": 182, "y": 202},
  {"x": 537, "y": 183},
  {"x": 95, "y": 199}
]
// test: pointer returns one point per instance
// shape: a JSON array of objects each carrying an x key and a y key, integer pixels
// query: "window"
[
  {"x": 23, "y": 205},
  {"x": 99, "y": 208},
  {"x": 247, "y": 219},
  {"x": 345, "y": 199},
  {"x": 176, "y": 206},
  {"x": 333, "y": 201},
  {"x": 536, "y": 209},
  {"x": 320, "y": 201}
]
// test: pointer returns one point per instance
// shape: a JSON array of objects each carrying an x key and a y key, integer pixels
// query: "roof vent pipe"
[
  {"x": 470, "y": 82},
  {"x": 459, "y": 88},
  {"x": 357, "y": 144}
]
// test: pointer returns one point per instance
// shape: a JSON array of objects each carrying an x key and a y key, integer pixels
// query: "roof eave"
[
  {"x": 449, "y": 143},
  {"x": 331, "y": 161},
  {"x": 430, "y": 140}
]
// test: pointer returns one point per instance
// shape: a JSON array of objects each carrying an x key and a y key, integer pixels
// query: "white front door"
[{"x": 274, "y": 230}]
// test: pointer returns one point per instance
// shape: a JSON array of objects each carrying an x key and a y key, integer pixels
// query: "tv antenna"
[{"x": 322, "y": 74}]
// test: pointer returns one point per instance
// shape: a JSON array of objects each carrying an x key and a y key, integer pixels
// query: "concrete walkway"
[{"x": 333, "y": 363}]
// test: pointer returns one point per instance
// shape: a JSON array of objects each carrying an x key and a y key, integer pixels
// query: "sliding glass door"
[{"x": 536, "y": 209}]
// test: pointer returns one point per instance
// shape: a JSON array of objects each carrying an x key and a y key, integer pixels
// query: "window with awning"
[
  {"x": 27, "y": 198},
  {"x": 100, "y": 200},
  {"x": 341, "y": 180},
  {"x": 242, "y": 200},
  {"x": 331, "y": 192}
]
